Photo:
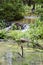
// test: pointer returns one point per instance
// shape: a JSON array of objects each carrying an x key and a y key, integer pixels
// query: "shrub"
[
  {"x": 15, "y": 34},
  {"x": 2, "y": 24},
  {"x": 40, "y": 12},
  {"x": 12, "y": 10},
  {"x": 2, "y": 34},
  {"x": 36, "y": 29}
]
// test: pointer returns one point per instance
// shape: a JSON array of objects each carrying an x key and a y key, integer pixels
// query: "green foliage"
[
  {"x": 12, "y": 10},
  {"x": 15, "y": 34},
  {"x": 27, "y": 10},
  {"x": 41, "y": 18},
  {"x": 14, "y": 27},
  {"x": 2, "y": 34},
  {"x": 40, "y": 12},
  {"x": 2, "y": 24},
  {"x": 36, "y": 29}
]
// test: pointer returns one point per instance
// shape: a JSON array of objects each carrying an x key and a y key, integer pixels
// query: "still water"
[
  {"x": 9, "y": 55},
  {"x": 29, "y": 19}
]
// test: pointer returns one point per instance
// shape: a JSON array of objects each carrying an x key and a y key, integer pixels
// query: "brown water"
[{"x": 28, "y": 19}]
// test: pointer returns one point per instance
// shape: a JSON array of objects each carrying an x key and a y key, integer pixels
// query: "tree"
[{"x": 12, "y": 9}]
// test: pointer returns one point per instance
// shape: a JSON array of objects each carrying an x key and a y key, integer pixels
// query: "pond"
[{"x": 9, "y": 55}]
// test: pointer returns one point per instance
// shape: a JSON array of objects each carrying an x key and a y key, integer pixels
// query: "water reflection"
[{"x": 7, "y": 58}]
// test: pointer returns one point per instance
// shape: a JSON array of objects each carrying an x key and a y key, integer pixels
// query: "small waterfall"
[
  {"x": 26, "y": 27},
  {"x": 8, "y": 28}
]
